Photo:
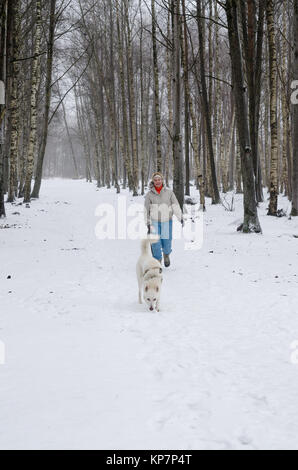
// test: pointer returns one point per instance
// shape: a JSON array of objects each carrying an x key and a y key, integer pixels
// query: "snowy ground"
[{"x": 88, "y": 367}]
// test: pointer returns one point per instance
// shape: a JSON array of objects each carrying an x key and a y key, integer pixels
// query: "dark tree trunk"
[
  {"x": 177, "y": 145},
  {"x": 251, "y": 221},
  {"x": 215, "y": 195},
  {"x": 253, "y": 32},
  {"x": 295, "y": 115}
]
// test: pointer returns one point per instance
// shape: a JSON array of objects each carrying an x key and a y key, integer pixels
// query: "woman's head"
[{"x": 157, "y": 179}]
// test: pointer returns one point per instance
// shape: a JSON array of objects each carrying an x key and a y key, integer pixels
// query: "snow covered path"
[{"x": 88, "y": 367}]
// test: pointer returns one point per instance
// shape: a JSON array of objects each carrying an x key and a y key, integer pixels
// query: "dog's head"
[{"x": 151, "y": 293}]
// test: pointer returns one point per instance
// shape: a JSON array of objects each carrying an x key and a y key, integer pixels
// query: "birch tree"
[
  {"x": 178, "y": 185},
  {"x": 273, "y": 108},
  {"x": 3, "y": 31},
  {"x": 295, "y": 114},
  {"x": 206, "y": 107},
  {"x": 35, "y": 77},
  {"x": 156, "y": 90},
  {"x": 14, "y": 108},
  {"x": 48, "y": 92}
]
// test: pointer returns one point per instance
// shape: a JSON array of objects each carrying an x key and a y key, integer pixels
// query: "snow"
[{"x": 87, "y": 367}]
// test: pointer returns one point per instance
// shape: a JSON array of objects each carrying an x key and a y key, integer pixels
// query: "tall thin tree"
[
  {"x": 156, "y": 90},
  {"x": 273, "y": 108},
  {"x": 177, "y": 144},
  {"x": 206, "y": 104},
  {"x": 251, "y": 221},
  {"x": 48, "y": 93},
  {"x": 295, "y": 115},
  {"x": 35, "y": 78}
]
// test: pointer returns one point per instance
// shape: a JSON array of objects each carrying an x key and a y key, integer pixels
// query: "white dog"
[{"x": 149, "y": 274}]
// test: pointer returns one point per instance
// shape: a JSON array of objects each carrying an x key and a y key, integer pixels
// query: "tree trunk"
[
  {"x": 156, "y": 90},
  {"x": 14, "y": 113},
  {"x": 132, "y": 105},
  {"x": 124, "y": 144},
  {"x": 215, "y": 195},
  {"x": 142, "y": 104},
  {"x": 69, "y": 140},
  {"x": 295, "y": 115},
  {"x": 251, "y": 221},
  {"x": 170, "y": 105},
  {"x": 33, "y": 104},
  {"x": 189, "y": 102},
  {"x": 113, "y": 102},
  {"x": 273, "y": 108},
  {"x": 253, "y": 45},
  {"x": 285, "y": 108},
  {"x": 177, "y": 146},
  {"x": 48, "y": 91},
  {"x": 3, "y": 32}
]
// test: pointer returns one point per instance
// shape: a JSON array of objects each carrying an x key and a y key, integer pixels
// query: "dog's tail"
[{"x": 146, "y": 242}]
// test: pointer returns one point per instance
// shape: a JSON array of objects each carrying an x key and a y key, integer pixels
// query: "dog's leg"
[
  {"x": 140, "y": 290},
  {"x": 157, "y": 306},
  {"x": 140, "y": 282}
]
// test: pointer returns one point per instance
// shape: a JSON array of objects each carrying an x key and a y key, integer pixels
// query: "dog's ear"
[{"x": 146, "y": 289}]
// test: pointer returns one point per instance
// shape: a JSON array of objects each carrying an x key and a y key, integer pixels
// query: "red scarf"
[{"x": 158, "y": 189}]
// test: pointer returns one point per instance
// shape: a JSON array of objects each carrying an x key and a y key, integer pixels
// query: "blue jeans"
[{"x": 165, "y": 232}]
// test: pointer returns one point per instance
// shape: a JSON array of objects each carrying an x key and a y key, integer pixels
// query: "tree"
[
  {"x": 3, "y": 30},
  {"x": 33, "y": 103},
  {"x": 253, "y": 28},
  {"x": 189, "y": 103},
  {"x": 132, "y": 103},
  {"x": 251, "y": 221},
  {"x": 273, "y": 108},
  {"x": 206, "y": 109},
  {"x": 178, "y": 185},
  {"x": 156, "y": 90},
  {"x": 48, "y": 92},
  {"x": 295, "y": 115},
  {"x": 13, "y": 100}
]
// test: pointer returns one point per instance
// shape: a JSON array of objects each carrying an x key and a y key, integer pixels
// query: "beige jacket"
[{"x": 161, "y": 207}]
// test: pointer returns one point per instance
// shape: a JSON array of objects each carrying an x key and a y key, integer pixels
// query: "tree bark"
[
  {"x": 14, "y": 105},
  {"x": 253, "y": 45},
  {"x": 178, "y": 185},
  {"x": 132, "y": 104},
  {"x": 273, "y": 108},
  {"x": 3, "y": 32},
  {"x": 189, "y": 102},
  {"x": 295, "y": 116},
  {"x": 33, "y": 104},
  {"x": 251, "y": 221},
  {"x": 48, "y": 92},
  {"x": 215, "y": 195},
  {"x": 156, "y": 90}
]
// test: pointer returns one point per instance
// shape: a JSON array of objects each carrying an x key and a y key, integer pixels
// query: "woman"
[{"x": 160, "y": 205}]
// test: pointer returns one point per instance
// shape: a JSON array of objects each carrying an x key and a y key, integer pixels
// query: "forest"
[
  {"x": 110, "y": 107},
  {"x": 112, "y": 90}
]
